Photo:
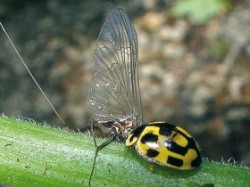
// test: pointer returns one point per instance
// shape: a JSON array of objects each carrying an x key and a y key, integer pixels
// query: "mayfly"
[
  {"x": 114, "y": 96},
  {"x": 115, "y": 102}
]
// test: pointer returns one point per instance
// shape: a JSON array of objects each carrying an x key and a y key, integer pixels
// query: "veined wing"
[{"x": 114, "y": 90}]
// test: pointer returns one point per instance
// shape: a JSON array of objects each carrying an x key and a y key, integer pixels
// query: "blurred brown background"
[{"x": 194, "y": 65}]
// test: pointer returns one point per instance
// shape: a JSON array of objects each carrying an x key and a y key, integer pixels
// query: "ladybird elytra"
[{"x": 166, "y": 145}]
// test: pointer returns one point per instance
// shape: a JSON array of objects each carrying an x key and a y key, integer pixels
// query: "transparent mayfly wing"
[{"x": 114, "y": 91}]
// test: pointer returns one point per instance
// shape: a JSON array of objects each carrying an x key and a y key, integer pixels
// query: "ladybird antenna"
[
  {"x": 99, "y": 148},
  {"x": 31, "y": 75}
]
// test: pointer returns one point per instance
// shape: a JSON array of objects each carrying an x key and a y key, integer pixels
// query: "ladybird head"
[{"x": 134, "y": 136}]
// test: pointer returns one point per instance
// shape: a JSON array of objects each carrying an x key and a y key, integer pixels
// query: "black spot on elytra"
[
  {"x": 197, "y": 161},
  {"x": 165, "y": 131},
  {"x": 149, "y": 138},
  {"x": 152, "y": 153},
  {"x": 174, "y": 161},
  {"x": 174, "y": 147},
  {"x": 165, "y": 128}
]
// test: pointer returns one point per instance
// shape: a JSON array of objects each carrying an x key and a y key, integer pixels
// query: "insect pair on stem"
[{"x": 115, "y": 103}]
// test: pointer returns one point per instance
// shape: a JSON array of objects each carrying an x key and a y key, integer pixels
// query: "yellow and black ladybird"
[{"x": 166, "y": 144}]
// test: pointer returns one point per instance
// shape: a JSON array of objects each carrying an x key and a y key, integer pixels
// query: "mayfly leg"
[
  {"x": 31, "y": 75},
  {"x": 99, "y": 148}
]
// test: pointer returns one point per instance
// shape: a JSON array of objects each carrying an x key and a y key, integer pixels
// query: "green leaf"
[
  {"x": 199, "y": 11},
  {"x": 32, "y": 155}
]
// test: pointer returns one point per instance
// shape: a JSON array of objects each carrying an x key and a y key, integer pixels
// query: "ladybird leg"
[
  {"x": 99, "y": 148},
  {"x": 93, "y": 133},
  {"x": 151, "y": 167}
]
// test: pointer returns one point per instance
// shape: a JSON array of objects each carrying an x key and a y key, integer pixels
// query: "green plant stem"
[{"x": 34, "y": 155}]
